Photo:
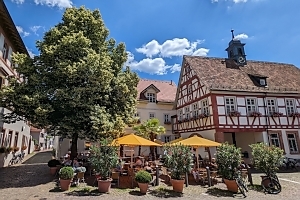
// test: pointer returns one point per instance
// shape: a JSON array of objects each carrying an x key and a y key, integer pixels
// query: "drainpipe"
[{"x": 266, "y": 117}]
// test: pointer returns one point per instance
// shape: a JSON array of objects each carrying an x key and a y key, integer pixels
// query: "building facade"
[
  {"x": 13, "y": 134},
  {"x": 239, "y": 101}
]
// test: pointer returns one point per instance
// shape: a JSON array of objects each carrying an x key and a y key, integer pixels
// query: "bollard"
[
  {"x": 208, "y": 176},
  {"x": 249, "y": 176},
  {"x": 186, "y": 179},
  {"x": 157, "y": 176}
]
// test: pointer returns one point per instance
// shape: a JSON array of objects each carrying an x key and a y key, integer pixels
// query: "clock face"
[{"x": 241, "y": 60}]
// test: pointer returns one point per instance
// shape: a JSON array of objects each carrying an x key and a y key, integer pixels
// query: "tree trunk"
[{"x": 74, "y": 146}]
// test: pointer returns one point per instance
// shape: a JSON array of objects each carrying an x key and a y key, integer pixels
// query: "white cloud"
[
  {"x": 22, "y": 32},
  {"x": 34, "y": 29},
  {"x": 150, "y": 65},
  {"x": 175, "y": 68},
  {"x": 18, "y": 1},
  {"x": 174, "y": 47},
  {"x": 52, "y": 3},
  {"x": 241, "y": 36}
]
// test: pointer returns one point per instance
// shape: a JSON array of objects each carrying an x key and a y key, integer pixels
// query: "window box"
[
  {"x": 234, "y": 114},
  {"x": 276, "y": 114},
  {"x": 202, "y": 115},
  {"x": 167, "y": 122},
  {"x": 186, "y": 120},
  {"x": 255, "y": 114},
  {"x": 194, "y": 118},
  {"x": 295, "y": 114}
]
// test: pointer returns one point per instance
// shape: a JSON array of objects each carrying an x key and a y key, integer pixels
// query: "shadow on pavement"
[{"x": 32, "y": 172}]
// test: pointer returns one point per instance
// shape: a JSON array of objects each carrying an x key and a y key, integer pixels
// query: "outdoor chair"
[
  {"x": 115, "y": 176},
  {"x": 80, "y": 177}
]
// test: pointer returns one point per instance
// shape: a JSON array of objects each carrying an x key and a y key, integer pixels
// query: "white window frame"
[
  {"x": 8, "y": 139},
  {"x": 167, "y": 140},
  {"x": 195, "y": 110},
  {"x": 290, "y": 108},
  {"x": 204, "y": 107},
  {"x": 294, "y": 149},
  {"x": 167, "y": 117},
  {"x": 137, "y": 114},
  {"x": 251, "y": 107},
  {"x": 176, "y": 137},
  {"x": 262, "y": 81},
  {"x": 180, "y": 114},
  {"x": 187, "y": 112},
  {"x": 151, "y": 97},
  {"x": 271, "y": 108},
  {"x": 189, "y": 88},
  {"x": 228, "y": 106},
  {"x": 4, "y": 51},
  {"x": 273, "y": 139},
  {"x": 151, "y": 113}
]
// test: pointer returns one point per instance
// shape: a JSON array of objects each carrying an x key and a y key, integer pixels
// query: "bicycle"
[
  {"x": 271, "y": 184},
  {"x": 17, "y": 157},
  {"x": 241, "y": 183}
]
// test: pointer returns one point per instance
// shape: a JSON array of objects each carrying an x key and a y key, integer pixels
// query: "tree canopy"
[{"x": 77, "y": 84}]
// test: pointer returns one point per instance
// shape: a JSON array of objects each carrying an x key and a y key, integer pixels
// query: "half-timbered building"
[
  {"x": 240, "y": 101},
  {"x": 15, "y": 135}
]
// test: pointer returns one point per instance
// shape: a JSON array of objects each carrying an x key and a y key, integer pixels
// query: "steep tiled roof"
[
  {"x": 221, "y": 74},
  {"x": 167, "y": 89}
]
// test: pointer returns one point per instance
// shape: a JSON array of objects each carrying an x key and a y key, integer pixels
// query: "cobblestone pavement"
[{"x": 31, "y": 180}]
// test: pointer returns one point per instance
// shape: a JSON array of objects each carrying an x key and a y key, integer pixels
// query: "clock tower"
[{"x": 236, "y": 51}]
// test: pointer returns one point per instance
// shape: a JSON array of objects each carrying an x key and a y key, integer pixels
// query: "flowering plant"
[
  {"x": 255, "y": 114},
  {"x": 186, "y": 120},
  {"x": 234, "y": 113},
  {"x": 179, "y": 121},
  {"x": 203, "y": 115},
  {"x": 295, "y": 114},
  {"x": 178, "y": 159},
  {"x": 276, "y": 114}
]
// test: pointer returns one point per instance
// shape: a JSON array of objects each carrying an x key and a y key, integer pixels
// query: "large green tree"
[
  {"x": 77, "y": 84},
  {"x": 150, "y": 129}
]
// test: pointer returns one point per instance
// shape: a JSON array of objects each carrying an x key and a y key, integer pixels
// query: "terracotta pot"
[
  {"x": 53, "y": 170},
  {"x": 143, "y": 187},
  {"x": 65, "y": 184},
  {"x": 104, "y": 185},
  {"x": 231, "y": 185},
  {"x": 177, "y": 185}
]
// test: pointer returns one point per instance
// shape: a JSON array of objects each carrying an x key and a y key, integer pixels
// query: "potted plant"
[
  {"x": 8, "y": 150},
  {"x": 24, "y": 148},
  {"x": 53, "y": 165},
  {"x": 66, "y": 175},
  {"x": 178, "y": 159},
  {"x": 104, "y": 158},
  {"x": 228, "y": 159},
  {"x": 266, "y": 158},
  {"x": 143, "y": 178}
]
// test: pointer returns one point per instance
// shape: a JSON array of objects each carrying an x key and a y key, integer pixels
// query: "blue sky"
[{"x": 158, "y": 32}]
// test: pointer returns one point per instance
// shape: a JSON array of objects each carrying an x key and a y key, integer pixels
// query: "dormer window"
[
  {"x": 262, "y": 81},
  {"x": 151, "y": 97}
]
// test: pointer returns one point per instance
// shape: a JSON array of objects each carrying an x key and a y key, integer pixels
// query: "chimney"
[{"x": 171, "y": 82}]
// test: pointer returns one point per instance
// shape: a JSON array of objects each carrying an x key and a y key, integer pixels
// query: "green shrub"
[
  {"x": 66, "y": 173},
  {"x": 228, "y": 158},
  {"x": 178, "y": 159},
  {"x": 143, "y": 176},
  {"x": 266, "y": 158}
]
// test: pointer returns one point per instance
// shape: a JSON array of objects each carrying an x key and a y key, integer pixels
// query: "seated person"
[
  {"x": 148, "y": 167},
  {"x": 195, "y": 173},
  {"x": 80, "y": 168},
  {"x": 138, "y": 162},
  {"x": 119, "y": 166},
  {"x": 67, "y": 162},
  {"x": 75, "y": 163},
  {"x": 213, "y": 164}
]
